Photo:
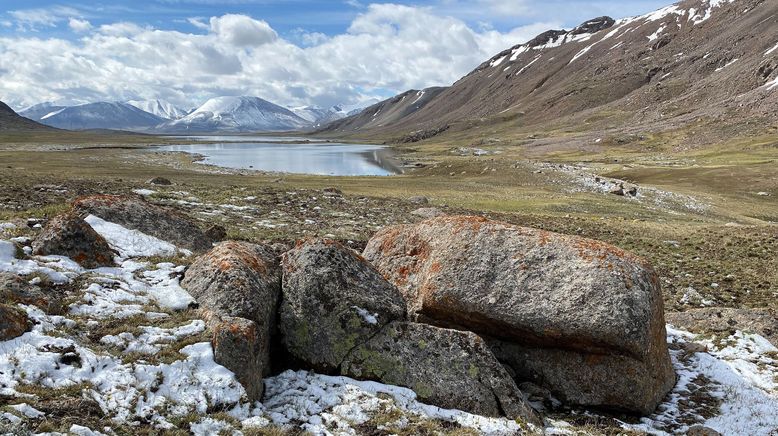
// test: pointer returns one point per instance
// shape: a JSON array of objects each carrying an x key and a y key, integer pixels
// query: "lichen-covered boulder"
[
  {"x": 580, "y": 317},
  {"x": 13, "y": 322},
  {"x": 241, "y": 346},
  {"x": 237, "y": 285},
  {"x": 237, "y": 279},
  {"x": 15, "y": 289},
  {"x": 447, "y": 368},
  {"x": 69, "y": 235},
  {"x": 333, "y": 300},
  {"x": 137, "y": 214}
]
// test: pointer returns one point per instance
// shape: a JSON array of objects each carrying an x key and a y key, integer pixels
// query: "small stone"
[
  {"x": 418, "y": 200},
  {"x": 159, "y": 181}
]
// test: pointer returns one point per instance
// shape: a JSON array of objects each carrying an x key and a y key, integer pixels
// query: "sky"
[{"x": 293, "y": 52}]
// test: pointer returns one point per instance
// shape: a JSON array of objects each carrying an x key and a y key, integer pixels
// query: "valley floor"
[{"x": 705, "y": 220}]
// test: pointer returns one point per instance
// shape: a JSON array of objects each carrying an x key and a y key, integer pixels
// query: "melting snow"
[
  {"x": 771, "y": 50},
  {"x": 132, "y": 243}
]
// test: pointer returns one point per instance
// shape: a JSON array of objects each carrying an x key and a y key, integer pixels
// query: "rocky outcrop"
[
  {"x": 447, "y": 368},
  {"x": 242, "y": 346},
  {"x": 236, "y": 279},
  {"x": 333, "y": 300},
  {"x": 69, "y": 235},
  {"x": 237, "y": 285},
  {"x": 13, "y": 322},
  {"x": 14, "y": 289},
  {"x": 138, "y": 214},
  {"x": 564, "y": 312}
]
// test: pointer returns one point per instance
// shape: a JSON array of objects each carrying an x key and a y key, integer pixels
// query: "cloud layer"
[{"x": 387, "y": 49}]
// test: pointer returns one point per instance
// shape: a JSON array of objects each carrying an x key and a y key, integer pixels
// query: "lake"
[{"x": 334, "y": 159}]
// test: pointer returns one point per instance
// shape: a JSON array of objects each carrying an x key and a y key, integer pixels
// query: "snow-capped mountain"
[
  {"x": 319, "y": 116},
  {"x": 102, "y": 115},
  {"x": 237, "y": 114},
  {"x": 38, "y": 111},
  {"x": 160, "y": 108}
]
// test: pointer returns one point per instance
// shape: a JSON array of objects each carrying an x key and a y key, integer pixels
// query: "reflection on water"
[
  {"x": 247, "y": 138},
  {"x": 323, "y": 159}
]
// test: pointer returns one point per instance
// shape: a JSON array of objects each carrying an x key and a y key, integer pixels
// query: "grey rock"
[
  {"x": 216, "y": 233},
  {"x": 447, "y": 368},
  {"x": 242, "y": 346},
  {"x": 17, "y": 290},
  {"x": 69, "y": 235},
  {"x": 237, "y": 279},
  {"x": 333, "y": 300},
  {"x": 701, "y": 430},
  {"x": 13, "y": 322},
  {"x": 557, "y": 296},
  {"x": 428, "y": 212},
  {"x": 138, "y": 214},
  {"x": 159, "y": 181}
]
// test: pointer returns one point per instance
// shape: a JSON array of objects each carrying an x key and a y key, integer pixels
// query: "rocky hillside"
[
  {"x": 11, "y": 121},
  {"x": 386, "y": 113},
  {"x": 715, "y": 60}
]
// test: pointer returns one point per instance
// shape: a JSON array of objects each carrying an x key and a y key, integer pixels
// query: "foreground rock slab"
[
  {"x": 447, "y": 368},
  {"x": 241, "y": 346},
  {"x": 238, "y": 285},
  {"x": 138, "y": 214},
  {"x": 333, "y": 300},
  {"x": 580, "y": 317},
  {"x": 69, "y": 235}
]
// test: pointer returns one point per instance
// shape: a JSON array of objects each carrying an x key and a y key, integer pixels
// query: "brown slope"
[
  {"x": 387, "y": 112},
  {"x": 10, "y": 121},
  {"x": 673, "y": 62}
]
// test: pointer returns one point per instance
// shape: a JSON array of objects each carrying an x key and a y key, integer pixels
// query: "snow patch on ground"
[
  {"x": 739, "y": 371},
  {"x": 132, "y": 243}
]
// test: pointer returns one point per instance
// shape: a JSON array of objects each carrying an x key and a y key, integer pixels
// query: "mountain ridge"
[{"x": 696, "y": 59}]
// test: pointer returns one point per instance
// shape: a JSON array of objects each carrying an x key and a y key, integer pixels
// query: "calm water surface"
[{"x": 323, "y": 159}]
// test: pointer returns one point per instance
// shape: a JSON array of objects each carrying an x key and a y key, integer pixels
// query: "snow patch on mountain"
[{"x": 159, "y": 108}]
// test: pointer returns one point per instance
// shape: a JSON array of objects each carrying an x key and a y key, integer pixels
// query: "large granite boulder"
[
  {"x": 580, "y": 317},
  {"x": 69, "y": 235},
  {"x": 236, "y": 279},
  {"x": 13, "y": 322},
  {"x": 447, "y": 368},
  {"x": 237, "y": 285},
  {"x": 333, "y": 300},
  {"x": 137, "y": 214}
]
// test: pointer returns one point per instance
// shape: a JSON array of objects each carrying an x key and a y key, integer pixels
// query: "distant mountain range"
[
  {"x": 220, "y": 114},
  {"x": 100, "y": 115}
]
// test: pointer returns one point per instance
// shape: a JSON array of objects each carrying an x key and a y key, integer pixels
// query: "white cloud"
[
  {"x": 199, "y": 23},
  {"x": 34, "y": 19},
  {"x": 79, "y": 25},
  {"x": 387, "y": 49},
  {"x": 242, "y": 31}
]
